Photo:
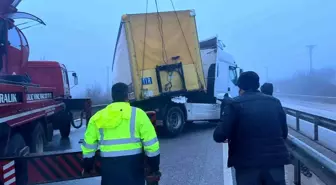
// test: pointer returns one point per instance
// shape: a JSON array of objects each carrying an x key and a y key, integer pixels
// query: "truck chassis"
[
  {"x": 45, "y": 168},
  {"x": 48, "y": 167}
]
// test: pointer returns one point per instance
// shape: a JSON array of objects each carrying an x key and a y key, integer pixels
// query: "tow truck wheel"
[
  {"x": 65, "y": 128},
  {"x": 174, "y": 121},
  {"x": 15, "y": 145},
  {"x": 37, "y": 139}
]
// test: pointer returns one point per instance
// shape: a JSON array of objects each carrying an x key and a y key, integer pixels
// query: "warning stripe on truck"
[
  {"x": 44, "y": 169},
  {"x": 8, "y": 173},
  {"x": 52, "y": 168}
]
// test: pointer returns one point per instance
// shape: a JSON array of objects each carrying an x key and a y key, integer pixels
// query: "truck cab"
[
  {"x": 219, "y": 68},
  {"x": 220, "y": 75},
  {"x": 35, "y": 96},
  {"x": 15, "y": 67}
]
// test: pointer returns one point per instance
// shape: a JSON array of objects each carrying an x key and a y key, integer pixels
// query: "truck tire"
[
  {"x": 37, "y": 139},
  {"x": 65, "y": 128},
  {"x": 15, "y": 145},
  {"x": 174, "y": 121},
  {"x": 73, "y": 124}
]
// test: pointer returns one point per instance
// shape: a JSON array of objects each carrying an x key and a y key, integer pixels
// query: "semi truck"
[
  {"x": 35, "y": 96},
  {"x": 159, "y": 56}
]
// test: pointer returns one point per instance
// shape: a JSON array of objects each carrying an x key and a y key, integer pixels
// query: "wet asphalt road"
[{"x": 193, "y": 158}]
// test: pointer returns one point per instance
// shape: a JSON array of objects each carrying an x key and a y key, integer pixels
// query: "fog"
[{"x": 262, "y": 35}]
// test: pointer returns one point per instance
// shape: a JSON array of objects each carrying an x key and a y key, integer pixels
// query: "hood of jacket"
[{"x": 114, "y": 115}]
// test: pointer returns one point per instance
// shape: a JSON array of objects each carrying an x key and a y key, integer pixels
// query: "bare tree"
[
  {"x": 97, "y": 95},
  {"x": 319, "y": 82}
]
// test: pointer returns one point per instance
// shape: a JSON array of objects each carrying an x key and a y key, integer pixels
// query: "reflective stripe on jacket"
[{"x": 120, "y": 130}]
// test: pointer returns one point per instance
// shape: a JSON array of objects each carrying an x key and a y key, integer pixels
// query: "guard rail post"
[
  {"x": 297, "y": 121},
  {"x": 321, "y": 166},
  {"x": 297, "y": 172},
  {"x": 316, "y": 125}
]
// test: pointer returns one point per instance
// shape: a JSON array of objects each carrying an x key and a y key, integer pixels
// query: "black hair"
[
  {"x": 248, "y": 80},
  {"x": 119, "y": 92},
  {"x": 267, "y": 88}
]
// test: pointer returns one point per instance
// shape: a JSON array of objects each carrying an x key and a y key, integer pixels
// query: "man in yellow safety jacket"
[{"x": 123, "y": 135}]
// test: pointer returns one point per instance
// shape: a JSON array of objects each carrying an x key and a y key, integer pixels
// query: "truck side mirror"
[
  {"x": 75, "y": 78},
  {"x": 240, "y": 71},
  {"x": 3, "y": 40}
]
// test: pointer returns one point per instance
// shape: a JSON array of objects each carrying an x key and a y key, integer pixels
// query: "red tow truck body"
[
  {"x": 35, "y": 96},
  {"x": 56, "y": 166},
  {"x": 35, "y": 100}
]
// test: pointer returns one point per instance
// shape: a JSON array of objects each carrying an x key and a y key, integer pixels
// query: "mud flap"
[
  {"x": 15, "y": 171},
  {"x": 21, "y": 167}
]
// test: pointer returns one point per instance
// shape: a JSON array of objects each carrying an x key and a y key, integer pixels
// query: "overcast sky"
[{"x": 81, "y": 34}]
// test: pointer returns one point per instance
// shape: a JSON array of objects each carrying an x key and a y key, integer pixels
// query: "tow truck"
[
  {"x": 35, "y": 96},
  {"x": 35, "y": 100},
  {"x": 53, "y": 166}
]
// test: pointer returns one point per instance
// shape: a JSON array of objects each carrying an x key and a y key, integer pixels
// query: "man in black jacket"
[
  {"x": 255, "y": 127},
  {"x": 267, "y": 88}
]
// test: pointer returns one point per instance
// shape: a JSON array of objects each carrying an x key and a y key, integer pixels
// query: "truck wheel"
[
  {"x": 80, "y": 122},
  {"x": 65, "y": 128},
  {"x": 37, "y": 139},
  {"x": 174, "y": 121},
  {"x": 15, "y": 145}
]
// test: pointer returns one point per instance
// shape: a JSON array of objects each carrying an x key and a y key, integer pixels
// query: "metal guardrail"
[
  {"x": 322, "y": 99},
  {"x": 312, "y": 118},
  {"x": 308, "y": 96},
  {"x": 319, "y": 164}
]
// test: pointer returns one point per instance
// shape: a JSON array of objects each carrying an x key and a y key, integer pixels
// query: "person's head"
[
  {"x": 267, "y": 88},
  {"x": 248, "y": 81},
  {"x": 120, "y": 92}
]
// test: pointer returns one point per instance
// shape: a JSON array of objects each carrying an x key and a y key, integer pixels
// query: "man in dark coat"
[
  {"x": 267, "y": 88},
  {"x": 255, "y": 127}
]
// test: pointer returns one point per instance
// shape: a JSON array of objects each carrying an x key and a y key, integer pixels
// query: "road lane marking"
[{"x": 227, "y": 176}]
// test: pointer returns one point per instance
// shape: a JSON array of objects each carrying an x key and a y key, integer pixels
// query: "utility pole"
[
  {"x": 310, "y": 49},
  {"x": 108, "y": 79}
]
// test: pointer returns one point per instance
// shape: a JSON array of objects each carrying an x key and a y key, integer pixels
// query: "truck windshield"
[{"x": 233, "y": 74}]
